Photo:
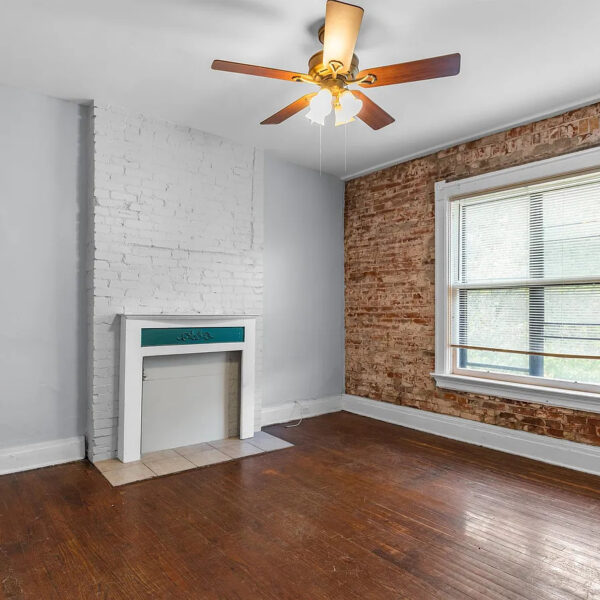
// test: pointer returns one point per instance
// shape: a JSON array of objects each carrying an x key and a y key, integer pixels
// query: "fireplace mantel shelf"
[{"x": 155, "y": 317}]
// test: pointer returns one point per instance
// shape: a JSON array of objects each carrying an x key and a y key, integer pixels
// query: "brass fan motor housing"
[{"x": 321, "y": 72}]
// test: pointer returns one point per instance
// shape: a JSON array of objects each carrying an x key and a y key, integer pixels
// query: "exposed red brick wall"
[{"x": 389, "y": 271}]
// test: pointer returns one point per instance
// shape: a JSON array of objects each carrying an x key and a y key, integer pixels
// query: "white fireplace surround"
[{"x": 131, "y": 363}]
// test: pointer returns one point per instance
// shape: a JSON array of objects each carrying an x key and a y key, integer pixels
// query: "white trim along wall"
[
  {"x": 580, "y": 457},
  {"x": 41, "y": 454},
  {"x": 563, "y": 453}
]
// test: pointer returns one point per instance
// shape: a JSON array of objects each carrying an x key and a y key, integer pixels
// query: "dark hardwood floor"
[{"x": 358, "y": 509}]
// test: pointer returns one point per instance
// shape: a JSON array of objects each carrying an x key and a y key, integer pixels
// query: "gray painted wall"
[
  {"x": 303, "y": 284},
  {"x": 43, "y": 148},
  {"x": 44, "y": 184}
]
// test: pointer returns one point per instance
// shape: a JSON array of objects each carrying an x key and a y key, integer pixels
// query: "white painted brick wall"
[{"x": 177, "y": 229}]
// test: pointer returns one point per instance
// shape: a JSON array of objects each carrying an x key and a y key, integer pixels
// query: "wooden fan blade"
[
  {"x": 289, "y": 111},
  {"x": 417, "y": 70},
  {"x": 372, "y": 114},
  {"x": 234, "y": 67},
  {"x": 342, "y": 22}
]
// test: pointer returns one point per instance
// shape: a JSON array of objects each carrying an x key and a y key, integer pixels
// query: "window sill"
[{"x": 519, "y": 391}]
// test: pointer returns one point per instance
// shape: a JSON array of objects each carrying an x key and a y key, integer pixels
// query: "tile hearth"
[{"x": 165, "y": 462}]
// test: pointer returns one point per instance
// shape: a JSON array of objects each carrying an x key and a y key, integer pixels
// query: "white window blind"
[{"x": 525, "y": 279}]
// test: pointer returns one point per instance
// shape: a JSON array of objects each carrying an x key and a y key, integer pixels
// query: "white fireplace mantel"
[{"x": 131, "y": 363}]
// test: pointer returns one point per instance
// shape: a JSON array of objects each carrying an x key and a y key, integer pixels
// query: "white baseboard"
[
  {"x": 581, "y": 457},
  {"x": 292, "y": 411},
  {"x": 42, "y": 454}
]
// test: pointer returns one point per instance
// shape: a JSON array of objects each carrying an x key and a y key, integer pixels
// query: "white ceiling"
[{"x": 520, "y": 59}]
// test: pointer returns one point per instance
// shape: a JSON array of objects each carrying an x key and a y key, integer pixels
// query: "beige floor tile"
[
  {"x": 239, "y": 448},
  {"x": 203, "y": 458},
  {"x": 183, "y": 450},
  {"x": 128, "y": 473},
  {"x": 113, "y": 464},
  {"x": 158, "y": 455},
  {"x": 173, "y": 464},
  {"x": 268, "y": 442},
  {"x": 225, "y": 442},
  {"x": 107, "y": 465}
]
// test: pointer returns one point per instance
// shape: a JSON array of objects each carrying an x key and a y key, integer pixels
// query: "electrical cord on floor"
[{"x": 301, "y": 415}]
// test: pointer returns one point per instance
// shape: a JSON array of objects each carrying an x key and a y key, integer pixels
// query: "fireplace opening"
[{"x": 189, "y": 399}]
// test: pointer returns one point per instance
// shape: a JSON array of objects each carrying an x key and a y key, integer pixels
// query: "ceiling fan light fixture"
[
  {"x": 335, "y": 67},
  {"x": 320, "y": 107},
  {"x": 347, "y": 107}
]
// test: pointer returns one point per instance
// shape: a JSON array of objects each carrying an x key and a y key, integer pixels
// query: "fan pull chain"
[
  {"x": 346, "y": 148},
  {"x": 320, "y": 149}
]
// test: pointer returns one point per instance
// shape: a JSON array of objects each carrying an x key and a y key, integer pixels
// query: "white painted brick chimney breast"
[{"x": 177, "y": 229}]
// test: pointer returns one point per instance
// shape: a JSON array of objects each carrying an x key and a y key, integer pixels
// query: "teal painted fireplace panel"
[{"x": 174, "y": 336}]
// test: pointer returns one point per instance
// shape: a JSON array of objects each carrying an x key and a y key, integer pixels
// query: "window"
[{"x": 520, "y": 279}]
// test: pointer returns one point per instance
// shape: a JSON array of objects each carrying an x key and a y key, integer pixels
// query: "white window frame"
[{"x": 547, "y": 391}]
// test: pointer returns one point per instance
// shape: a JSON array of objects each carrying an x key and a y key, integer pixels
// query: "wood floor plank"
[{"x": 357, "y": 509}]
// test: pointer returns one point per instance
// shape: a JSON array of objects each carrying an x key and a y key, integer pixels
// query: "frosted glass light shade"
[
  {"x": 320, "y": 107},
  {"x": 349, "y": 107}
]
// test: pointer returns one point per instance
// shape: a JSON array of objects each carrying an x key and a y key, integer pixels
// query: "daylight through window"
[{"x": 525, "y": 281}]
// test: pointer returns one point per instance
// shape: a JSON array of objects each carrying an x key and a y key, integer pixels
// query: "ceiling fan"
[{"x": 335, "y": 67}]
